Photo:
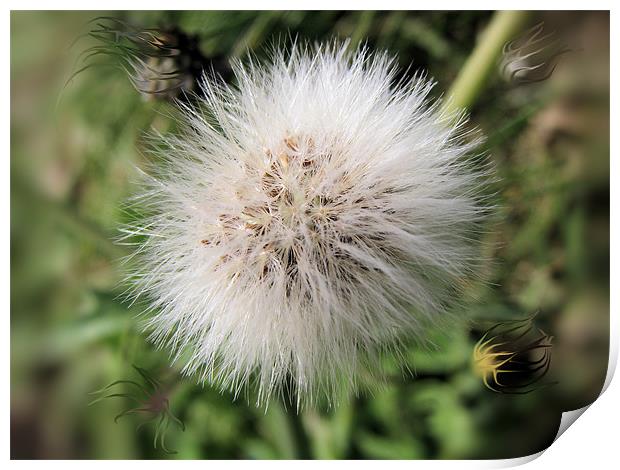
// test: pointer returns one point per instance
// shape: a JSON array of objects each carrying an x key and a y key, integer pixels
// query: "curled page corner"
[
  {"x": 568, "y": 418},
  {"x": 566, "y": 421},
  {"x": 517, "y": 461}
]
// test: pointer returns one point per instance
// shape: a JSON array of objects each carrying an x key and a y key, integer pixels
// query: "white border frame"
[{"x": 593, "y": 441}]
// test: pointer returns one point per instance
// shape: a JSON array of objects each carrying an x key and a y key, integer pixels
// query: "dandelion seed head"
[{"x": 305, "y": 220}]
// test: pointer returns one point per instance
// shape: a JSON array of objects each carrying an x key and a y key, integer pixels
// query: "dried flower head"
[
  {"x": 533, "y": 57},
  {"x": 150, "y": 399},
  {"x": 306, "y": 220},
  {"x": 512, "y": 356},
  {"x": 160, "y": 63}
]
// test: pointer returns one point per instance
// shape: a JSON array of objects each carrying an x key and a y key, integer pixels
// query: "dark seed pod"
[
  {"x": 150, "y": 400},
  {"x": 161, "y": 63},
  {"x": 532, "y": 57},
  {"x": 512, "y": 356}
]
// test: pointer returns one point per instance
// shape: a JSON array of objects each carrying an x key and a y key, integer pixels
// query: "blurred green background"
[{"x": 73, "y": 153}]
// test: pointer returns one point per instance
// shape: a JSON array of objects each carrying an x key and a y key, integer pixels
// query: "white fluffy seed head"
[{"x": 304, "y": 221}]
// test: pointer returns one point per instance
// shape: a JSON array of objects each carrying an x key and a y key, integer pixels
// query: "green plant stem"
[
  {"x": 299, "y": 435},
  {"x": 363, "y": 25},
  {"x": 256, "y": 33},
  {"x": 478, "y": 68}
]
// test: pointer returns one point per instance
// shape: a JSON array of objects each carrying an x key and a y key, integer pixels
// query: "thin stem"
[
  {"x": 364, "y": 23},
  {"x": 483, "y": 60},
  {"x": 299, "y": 434}
]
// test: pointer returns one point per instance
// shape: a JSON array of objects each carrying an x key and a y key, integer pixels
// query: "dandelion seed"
[{"x": 307, "y": 220}]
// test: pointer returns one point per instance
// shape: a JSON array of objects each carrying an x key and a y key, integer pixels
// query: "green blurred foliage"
[{"x": 74, "y": 150}]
